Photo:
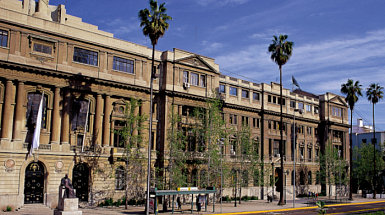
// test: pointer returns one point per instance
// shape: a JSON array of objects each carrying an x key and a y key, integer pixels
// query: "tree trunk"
[
  {"x": 150, "y": 133},
  {"x": 351, "y": 155},
  {"x": 374, "y": 158},
  {"x": 281, "y": 200}
]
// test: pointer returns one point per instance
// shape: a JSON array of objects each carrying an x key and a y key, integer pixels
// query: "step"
[{"x": 34, "y": 207}]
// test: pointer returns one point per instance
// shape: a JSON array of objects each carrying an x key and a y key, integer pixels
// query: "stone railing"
[{"x": 45, "y": 147}]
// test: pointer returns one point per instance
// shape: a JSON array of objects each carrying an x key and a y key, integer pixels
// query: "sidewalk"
[{"x": 258, "y": 205}]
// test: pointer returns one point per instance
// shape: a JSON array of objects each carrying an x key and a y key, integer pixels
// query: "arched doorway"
[
  {"x": 34, "y": 183},
  {"x": 80, "y": 181}
]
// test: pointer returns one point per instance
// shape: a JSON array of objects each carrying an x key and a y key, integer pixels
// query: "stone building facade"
[{"x": 43, "y": 49}]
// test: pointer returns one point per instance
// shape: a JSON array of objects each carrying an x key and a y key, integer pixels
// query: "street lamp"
[
  {"x": 300, "y": 111},
  {"x": 221, "y": 144},
  {"x": 339, "y": 172}
]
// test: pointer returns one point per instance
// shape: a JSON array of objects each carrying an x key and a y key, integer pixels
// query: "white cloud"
[
  {"x": 121, "y": 27},
  {"x": 211, "y": 47},
  {"x": 220, "y": 2}
]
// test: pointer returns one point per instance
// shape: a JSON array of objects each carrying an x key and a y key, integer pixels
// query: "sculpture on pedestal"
[{"x": 69, "y": 190}]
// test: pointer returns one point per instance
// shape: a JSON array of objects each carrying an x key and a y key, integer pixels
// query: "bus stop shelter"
[{"x": 160, "y": 193}]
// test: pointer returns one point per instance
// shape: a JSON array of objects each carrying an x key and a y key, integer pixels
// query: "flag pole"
[{"x": 85, "y": 126}]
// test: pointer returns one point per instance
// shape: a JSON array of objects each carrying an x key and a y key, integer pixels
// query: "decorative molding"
[{"x": 9, "y": 164}]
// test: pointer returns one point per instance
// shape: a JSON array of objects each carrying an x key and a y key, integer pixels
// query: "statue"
[{"x": 69, "y": 190}]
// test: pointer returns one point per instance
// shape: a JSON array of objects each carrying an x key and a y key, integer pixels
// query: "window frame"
[
  {"x": 4, "y": 34},
  {"x": 231, "y": 91},
  {"x": 233, "y": 119},
  {"x": 123, "y": 61},
  {"x": 301, "y": 104},
  {"x": 89, "y": 57},
  {"x": 245, "y": 94},
  {"x": 202, "y": 80},
  {"x": 194, "y": 76},
  {"x": 308, "y": 108},
  {"x": 292, "y": 104},
  {"x": 255, "y": 94},
  {"x": 185, "y": 77},
  {"x": 224, "y": 88},
  {"x": 43, "y": 45}
]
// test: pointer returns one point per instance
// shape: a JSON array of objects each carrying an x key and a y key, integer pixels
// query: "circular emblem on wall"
[
  {"x": 9, "y": 164},
  {"x": 59, "y": 166}
]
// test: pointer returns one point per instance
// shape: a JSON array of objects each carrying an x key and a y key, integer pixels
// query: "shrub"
[
  {"x": 9, "y": 208},
  {"x": 246, "y": 198},
  {"x": 118, "y": 203},
  {"x": 254, "y": 198},
  {"x": 109, "y": 202},
  {"x": 226, "y": 198}
]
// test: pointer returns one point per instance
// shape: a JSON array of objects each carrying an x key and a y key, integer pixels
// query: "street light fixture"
[{"x": 300, "y": 111}]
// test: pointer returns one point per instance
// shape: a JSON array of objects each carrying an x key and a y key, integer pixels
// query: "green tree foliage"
[
  {"x": 177, "y": 156},
  {"x": 208, "y": 128},
  {"x": 332, "y": 167},
  {"x": 363, "y": 165},
  {"x": 132, "y": 139}
]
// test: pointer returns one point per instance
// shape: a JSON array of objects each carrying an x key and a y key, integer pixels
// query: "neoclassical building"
[{"x": 78, "y": 67}]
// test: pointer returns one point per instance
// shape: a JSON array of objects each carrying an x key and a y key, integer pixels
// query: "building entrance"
[
  {"x": 80, "y": 181},
  {"x": 34, "y": 184}
]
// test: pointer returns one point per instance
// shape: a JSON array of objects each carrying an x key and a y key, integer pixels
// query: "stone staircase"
[{"x": 36, "y": 209}]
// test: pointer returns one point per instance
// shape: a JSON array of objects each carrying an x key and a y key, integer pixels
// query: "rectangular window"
[
  {"x": 233, "y": 119},
  {"x": 245, "y": 120},
  {"x": 222, "y": 88},
  {"x": 274, "y": 99},
  {"x": 256, "y": 123},
  {"x": 194, "y": 79},
  {"x": 269, "y": 98},
  {"x": 123, "y": 65},
  {"x": 3, "y": 38},
  {"x": 292, "y": 104},
  {"x": 309, "y": 129},
  {"x": 245, "y": 94},
  {"x": 300, "y": 105},
  {"x": 202, "y": 82},
  {"x": 223, "y": 116},
  {"x": 256, "y": 96},
  {"x": 37, "y": 47},
  {"x": 309, "y": 153},
  {"x": 336, "y": 111},
  {"x": 308, "y": 108},
  {"x": 283, "y": 103},
  {"x": 85, "y": 56},
  {"x": 276, "y": 148},
  {"x": 315, "y": 110},
  {"x": 275, "y": 125},
  {"x": 233, "y": 91},
  {"x": 269, "y": 124},
  {"x": 185, "y": 77}
]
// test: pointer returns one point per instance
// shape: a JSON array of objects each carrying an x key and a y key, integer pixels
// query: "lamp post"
[
  {"x": 220, "y": 143},
  {"x": 339, "y": 172},
  {"x": 300, "y": 111}
]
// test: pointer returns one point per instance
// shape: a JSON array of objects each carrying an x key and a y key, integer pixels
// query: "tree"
[
  {"x": 177, "y": 156},
  {"x": 352, "y": 90},
  {"x": 132, "y": 140},
  {"x": 363, "y": 157},
  {"x": 280, "y": 51},
  {"x": 154, "y": 24},
  {"x": 331, "y": 167},
  {"x": 374, "y": 94}
]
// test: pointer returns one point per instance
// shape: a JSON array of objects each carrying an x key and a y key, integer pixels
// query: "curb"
[{"x": 301, "y": 208}]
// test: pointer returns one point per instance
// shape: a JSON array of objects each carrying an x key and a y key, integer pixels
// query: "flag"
[
  {"x": 36, "y": 133},
  {"x": 85, "y": 125},
  {"x": 295, "y": 82}
]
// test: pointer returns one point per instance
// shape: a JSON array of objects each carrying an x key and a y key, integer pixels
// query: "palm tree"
[
  {"x": 352, "y": 90},
  {"x": 154, "y": 24},
  {"x": 280, "y": 53},
  {"x": 374, "y": 94}
]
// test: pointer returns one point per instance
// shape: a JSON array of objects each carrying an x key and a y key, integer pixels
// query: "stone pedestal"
[{"x": 67, "y": 206}]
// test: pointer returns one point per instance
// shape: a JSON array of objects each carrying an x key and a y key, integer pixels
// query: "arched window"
[
  {"x": 245, "y": 178},
  {"x": 256, "y": 178},
  {"x": 120, "y": 178},
  {"x": 302, "y": 178},
  {"x": 79, "y": 114},
  {"x": 203, "y": 178},
  {"x": 32, "y": 109}
]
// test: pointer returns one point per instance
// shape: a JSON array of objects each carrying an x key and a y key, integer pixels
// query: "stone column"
[
  {"x": 6, "y": 125},
  {"x": 55, "y": 128},
  {"x": 18, "y": 122},
  {"x": 98, "y": 120},
  {"x": 65, "y": 123},
  {"x": 106, "y": 121}
]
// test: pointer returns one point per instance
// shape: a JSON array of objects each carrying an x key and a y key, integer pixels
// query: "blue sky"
[{"x": 333, "y": 40}]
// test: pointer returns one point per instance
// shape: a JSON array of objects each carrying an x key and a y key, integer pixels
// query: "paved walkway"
[{"x": 259, "y": 205}]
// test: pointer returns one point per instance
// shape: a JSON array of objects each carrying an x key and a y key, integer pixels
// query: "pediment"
[
  {"x": 197, "y": 62},
  {"x": 339, "y": 100}
]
